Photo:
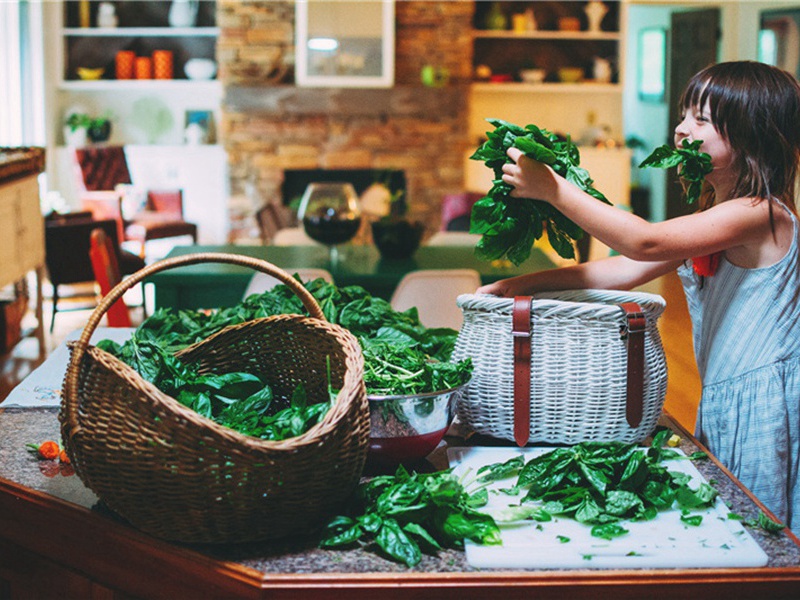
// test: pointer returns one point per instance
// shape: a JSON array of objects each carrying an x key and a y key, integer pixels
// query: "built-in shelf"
[
  {"x": 201, "y": 86},
  {"x": 547, "y": 88},
  {"x": 547, "y": 35},
  {"x": 141, "y": 31}
]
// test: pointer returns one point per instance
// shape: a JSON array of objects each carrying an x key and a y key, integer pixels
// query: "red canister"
[
  {"x": 144, "y": 67},
  {"x": 124, "y": 64},
  {"x": 162, "y": 64}
]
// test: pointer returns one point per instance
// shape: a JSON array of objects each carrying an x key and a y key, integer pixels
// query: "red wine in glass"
[
  {"x": 330, "y": 214},
  {"x": 331, "y": 230}
]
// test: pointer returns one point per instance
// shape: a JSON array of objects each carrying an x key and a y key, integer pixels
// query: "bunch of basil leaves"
[
  {"x": 395, "y": 344},
  {"x": 510, "y": 226},
  {"x": 408, "y": 514},
  {"x": 693, "y": 165},
  {"x": 601, "y": 484}
]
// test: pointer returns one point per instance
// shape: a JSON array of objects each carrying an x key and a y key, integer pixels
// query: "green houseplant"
[{"x": 76, "y": 127}]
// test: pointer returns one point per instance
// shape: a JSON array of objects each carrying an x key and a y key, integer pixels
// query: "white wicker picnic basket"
[{"x": 596, "y": 369}]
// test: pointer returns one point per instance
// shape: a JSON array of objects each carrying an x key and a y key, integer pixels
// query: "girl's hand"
[
  {"x": 530, "y": 178},
  {"x": 506, "y": 288}
]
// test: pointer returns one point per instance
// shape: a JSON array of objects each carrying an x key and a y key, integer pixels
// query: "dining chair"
[
  {"x": 261, "y": 282},
  {"x": 67, "y": 245},
  {"x": 107, "y": 274},
  {"x": 433, "y": 292},
  {"x": 271, "y": 218},
  {"x": 453, "y": 238}
]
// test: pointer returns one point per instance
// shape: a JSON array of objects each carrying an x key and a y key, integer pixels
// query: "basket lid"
[{"x": 572, "y": 303}]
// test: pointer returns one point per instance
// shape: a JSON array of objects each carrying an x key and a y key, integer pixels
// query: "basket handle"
[{"x": 79, "y": 348}]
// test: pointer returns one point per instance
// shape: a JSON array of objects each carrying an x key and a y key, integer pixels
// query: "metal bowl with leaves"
[{"x": 406, "y": 429}]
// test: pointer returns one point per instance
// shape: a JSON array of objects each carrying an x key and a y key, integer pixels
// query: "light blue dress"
[{"x": 746, "y": 329}]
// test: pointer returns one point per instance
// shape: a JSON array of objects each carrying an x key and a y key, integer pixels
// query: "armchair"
[{"x": 102, "y": 169}]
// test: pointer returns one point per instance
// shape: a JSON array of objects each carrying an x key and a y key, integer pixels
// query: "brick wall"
[{"x": 270, "y": 125}]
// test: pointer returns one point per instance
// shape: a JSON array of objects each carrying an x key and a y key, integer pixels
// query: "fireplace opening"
[{"x": 295, "y": 181}]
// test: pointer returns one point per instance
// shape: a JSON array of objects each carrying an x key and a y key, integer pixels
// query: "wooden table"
[
  {"x": 56, "y": 542},
  {"x": 214, "y": 285}
]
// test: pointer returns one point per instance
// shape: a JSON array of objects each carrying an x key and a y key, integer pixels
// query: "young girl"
[{"x": 745, "y": 309}]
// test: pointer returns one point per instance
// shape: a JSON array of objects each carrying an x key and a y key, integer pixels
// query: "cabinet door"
[
  {"x": 31, "y": 230},
  {"x": 9, "y": 248}
]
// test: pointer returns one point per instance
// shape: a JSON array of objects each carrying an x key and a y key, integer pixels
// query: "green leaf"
[
  {"x": 608, "y": 531},
  {"x": 768, "y": 525},
  {"x": 396, "y": 543},
  {"x": 692, "y": 520}
]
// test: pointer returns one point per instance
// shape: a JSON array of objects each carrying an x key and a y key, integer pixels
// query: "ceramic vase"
[
  {"x": 183, "y": 13},
  {"x": 595, "y": 11}
]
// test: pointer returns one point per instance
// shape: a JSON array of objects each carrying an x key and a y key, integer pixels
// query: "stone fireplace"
[{"x": 270, "y": 126}]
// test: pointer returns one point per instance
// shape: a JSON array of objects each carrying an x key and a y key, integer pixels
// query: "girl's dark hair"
[{"x": 756, "y": 107}]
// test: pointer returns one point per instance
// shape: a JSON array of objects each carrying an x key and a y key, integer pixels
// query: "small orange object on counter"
[{"x": 48, "y": 450}]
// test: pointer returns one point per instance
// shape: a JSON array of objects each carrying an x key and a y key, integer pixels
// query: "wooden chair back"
[{"x": 107, "y": 274}]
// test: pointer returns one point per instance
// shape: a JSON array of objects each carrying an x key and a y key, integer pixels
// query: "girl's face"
[{"x": 696, "y": 125}]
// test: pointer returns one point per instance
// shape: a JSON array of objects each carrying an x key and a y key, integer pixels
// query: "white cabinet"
[
  {"x": 22, "y": 235},
  {"x": 21, "y": 229}
]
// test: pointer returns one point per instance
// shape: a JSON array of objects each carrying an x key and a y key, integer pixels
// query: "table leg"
[{"x": 39, "y": 311}]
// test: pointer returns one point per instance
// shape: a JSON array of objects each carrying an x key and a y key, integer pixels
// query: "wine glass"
[{"x": 330, "y": 214}]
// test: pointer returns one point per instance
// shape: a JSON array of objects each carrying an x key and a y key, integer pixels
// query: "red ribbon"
[{"x": 706, "y": 266}]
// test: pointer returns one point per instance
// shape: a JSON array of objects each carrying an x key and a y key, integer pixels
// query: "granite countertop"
[{"x": 20, "y": 426}]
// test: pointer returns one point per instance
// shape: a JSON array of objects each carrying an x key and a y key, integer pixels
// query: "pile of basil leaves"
[
  {"x": 401, "y": 356},
  {"x": 510, "y": 226}
]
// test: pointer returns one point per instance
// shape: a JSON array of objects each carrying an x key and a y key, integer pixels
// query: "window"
[
  {"x": 21, "y": 74},
  {"x": 652, "y": 64}
]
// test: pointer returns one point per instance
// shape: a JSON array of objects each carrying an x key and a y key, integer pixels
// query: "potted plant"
[
  {"x": 395, "y": 236},
  {"x": 76, "y": 127},
  {"x": 99, "y": 129}
]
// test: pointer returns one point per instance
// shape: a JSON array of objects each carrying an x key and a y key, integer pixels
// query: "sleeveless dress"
[{"x": 746, "y": 333}]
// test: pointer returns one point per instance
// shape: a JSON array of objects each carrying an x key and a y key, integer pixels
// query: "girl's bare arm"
[
  {"x": 727, "y": 225},
  {"x": 613, "y": 273}
]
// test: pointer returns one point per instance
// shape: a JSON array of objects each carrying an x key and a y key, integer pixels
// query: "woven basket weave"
[
  {"x": 578, "y": 366},
  {"x": 179, "y": 476}
]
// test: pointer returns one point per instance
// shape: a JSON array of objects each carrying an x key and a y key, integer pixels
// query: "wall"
[
  {"x": 269, "y": 125},
  {"x": 740, "y": 22}
]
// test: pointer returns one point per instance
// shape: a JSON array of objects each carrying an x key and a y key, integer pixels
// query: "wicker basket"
[
  {"x": 179, "y": 476},
  {"x": 578, "y": 367}
]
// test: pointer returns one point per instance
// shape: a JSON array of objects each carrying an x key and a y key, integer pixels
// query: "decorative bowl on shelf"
[
  {"x": 532, "y": 75},
  {"x": 90, "y": 74},
  {"x": 200, "y": 68},
  {"x": 569, "y": 24},
  {"x": 570, "y": 74},
  {"x": 406, "y": 429}
]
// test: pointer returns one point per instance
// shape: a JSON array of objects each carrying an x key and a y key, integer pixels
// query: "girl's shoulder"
[{"x": 768, "y": 230}]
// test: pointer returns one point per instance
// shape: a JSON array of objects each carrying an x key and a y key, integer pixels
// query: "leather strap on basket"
[
  {"x": 634, "y": 399},
  {"x": 521, "y": 332}
]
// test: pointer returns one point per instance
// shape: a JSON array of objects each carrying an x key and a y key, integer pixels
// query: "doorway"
[{"x": 694, "y": 40}]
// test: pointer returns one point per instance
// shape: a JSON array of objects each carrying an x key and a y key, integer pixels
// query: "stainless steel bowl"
[{"x": 405, "y": 429}]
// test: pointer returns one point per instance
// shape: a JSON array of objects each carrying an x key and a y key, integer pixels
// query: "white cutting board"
[{"x": 665, "y": 542}]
